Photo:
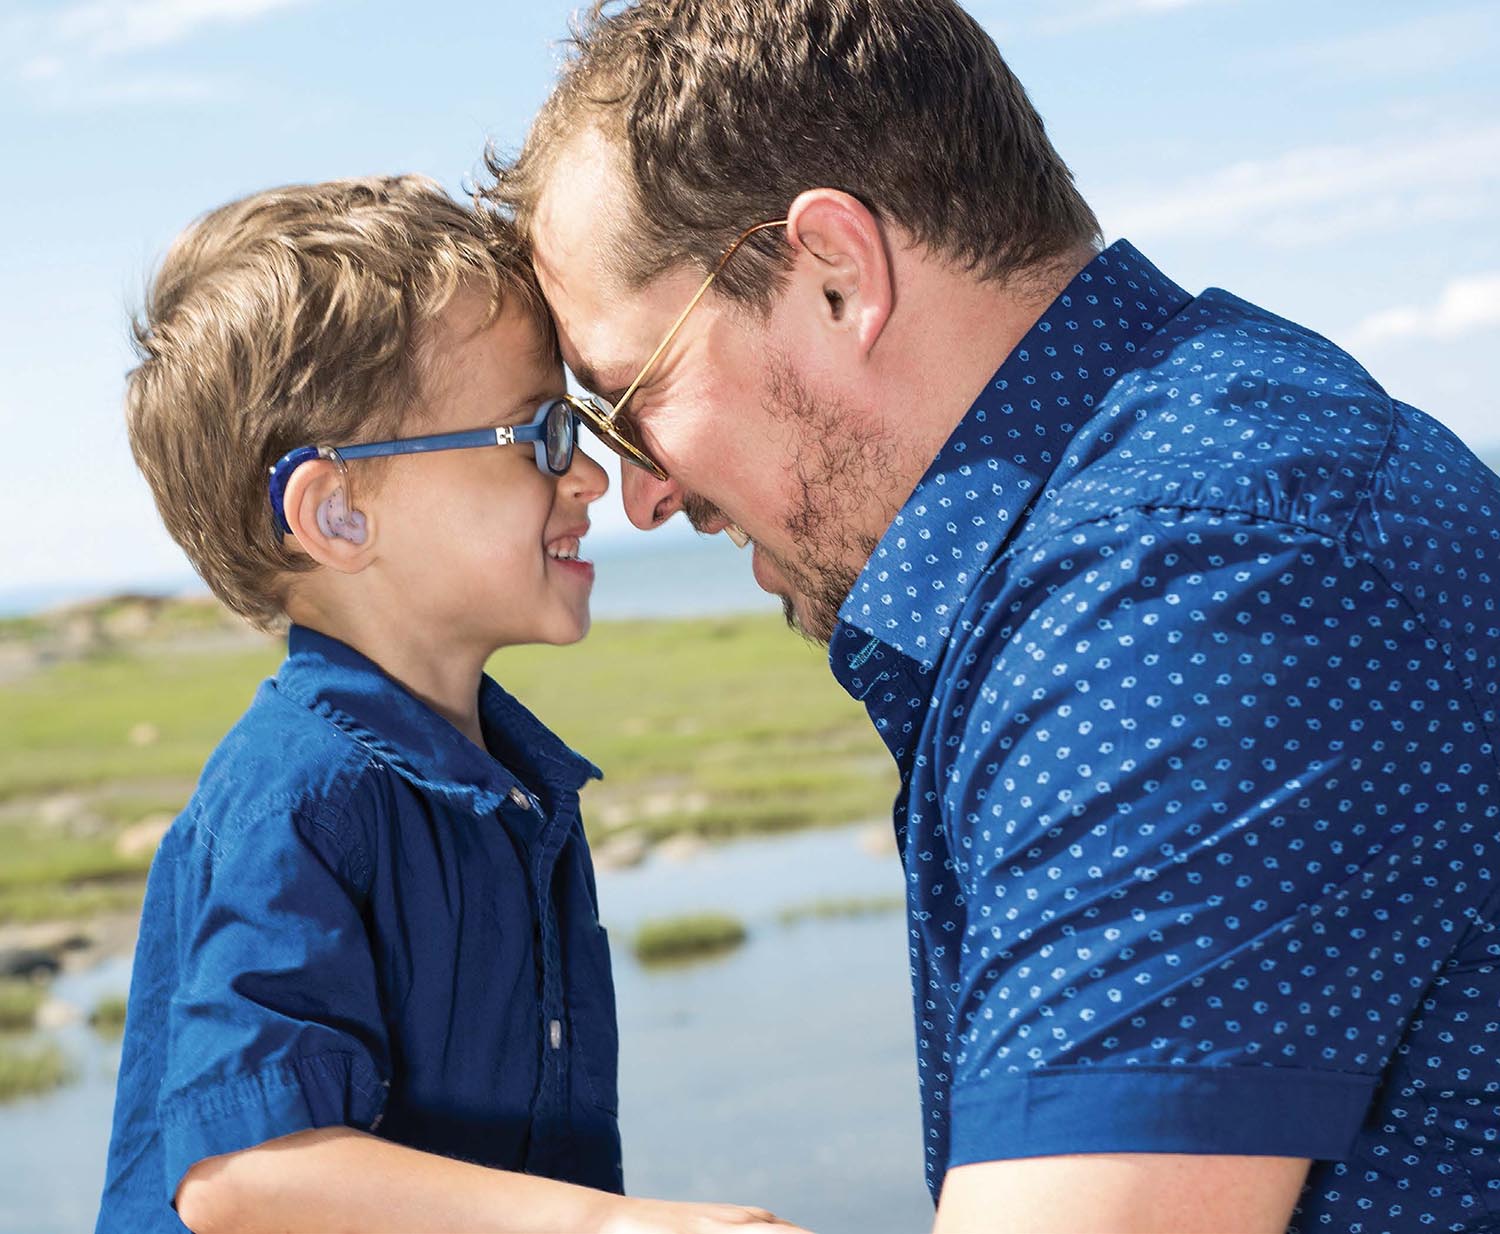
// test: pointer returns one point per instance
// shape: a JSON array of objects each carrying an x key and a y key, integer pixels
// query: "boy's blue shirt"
[{"x": 363, "y": 919}]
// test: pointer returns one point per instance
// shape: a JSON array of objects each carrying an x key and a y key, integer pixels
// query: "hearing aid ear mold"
[{"x": 335, "y": 522}]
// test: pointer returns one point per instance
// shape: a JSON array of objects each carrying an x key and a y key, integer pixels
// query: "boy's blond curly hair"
[{"x": 296, "y": 317}]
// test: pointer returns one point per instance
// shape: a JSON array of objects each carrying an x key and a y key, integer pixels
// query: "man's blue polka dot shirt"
[{"x": 1186, "y": 647}]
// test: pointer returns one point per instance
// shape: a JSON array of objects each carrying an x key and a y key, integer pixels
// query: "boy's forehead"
[{"x": 498, "y": 366}]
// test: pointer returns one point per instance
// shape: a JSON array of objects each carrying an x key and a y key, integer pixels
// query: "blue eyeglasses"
[{"x": 552, "y": 433}]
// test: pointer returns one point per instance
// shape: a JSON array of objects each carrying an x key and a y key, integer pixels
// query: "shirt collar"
[
  {"x": 997, "y": 462},
  {"x": 353, "y": 692}
]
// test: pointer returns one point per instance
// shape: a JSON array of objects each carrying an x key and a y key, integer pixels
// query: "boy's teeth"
[{"x": 566, "y": 550}]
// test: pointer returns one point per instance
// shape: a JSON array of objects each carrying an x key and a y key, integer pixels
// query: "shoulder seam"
[
  {"x": 1151, "y": 508},
  {"x": 1338, "y": 543},
  {"x": 1365, "y": 493},
  {"x": 333, "y": 816}
]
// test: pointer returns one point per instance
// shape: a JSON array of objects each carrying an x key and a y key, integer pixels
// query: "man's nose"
[{"x": 649, "y": 502}]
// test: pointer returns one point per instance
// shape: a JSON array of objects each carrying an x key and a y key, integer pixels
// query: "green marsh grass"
[
  {"x": 30, "y": 1068},
  {"x": 835, "y": 908},
  {"x": 668, "y": 939},
  {"x": 713, "y": 726},
  {"x": 108, "y": 1016},
  {"x": 19, "y": 1003}
]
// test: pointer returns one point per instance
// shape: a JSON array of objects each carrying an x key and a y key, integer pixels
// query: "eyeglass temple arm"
[
  {"x": 504, "y": 435},
  {"x": 691, "y": 305}
]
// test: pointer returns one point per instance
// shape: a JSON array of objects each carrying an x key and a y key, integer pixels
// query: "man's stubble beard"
[{"x": 841, "y": 465}]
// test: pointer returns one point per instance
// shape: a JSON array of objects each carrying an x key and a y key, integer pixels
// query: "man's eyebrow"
[{"x": 590, "y": 379}]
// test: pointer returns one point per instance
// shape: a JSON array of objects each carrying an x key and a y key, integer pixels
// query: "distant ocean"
[{"x": 669, "y": 573}]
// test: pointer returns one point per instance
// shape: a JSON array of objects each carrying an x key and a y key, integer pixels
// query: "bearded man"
[{"x": 1183, "y": 634}]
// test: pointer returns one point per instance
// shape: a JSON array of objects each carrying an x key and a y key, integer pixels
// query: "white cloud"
[
  {"x": 134, "y": 88},
  {"x": 1045, "y": 17},
  {"x": 1420, "y": 46},
  {"x": 1068, "y": 19},
  {"x": 100, "y": 28},
  {"x": 1322, "y": 193},
  {"x": 60, "y": 54},
  {"x": 1466, "y": 305}
]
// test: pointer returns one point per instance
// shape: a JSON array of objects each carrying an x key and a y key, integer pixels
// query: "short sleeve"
[
  {"x": 1183, "y": 788},
  {"x": 276, "y": 1025}
]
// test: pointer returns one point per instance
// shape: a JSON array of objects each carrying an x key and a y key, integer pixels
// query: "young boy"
[{"x": 371, "y": 991}]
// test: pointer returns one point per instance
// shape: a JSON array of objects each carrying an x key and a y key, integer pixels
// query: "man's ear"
[
  {"x": 326, "y": 528},
  {"x": 850, "y": 263}
]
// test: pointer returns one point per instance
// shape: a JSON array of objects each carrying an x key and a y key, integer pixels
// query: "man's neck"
[{"x": 948, "y": 334}]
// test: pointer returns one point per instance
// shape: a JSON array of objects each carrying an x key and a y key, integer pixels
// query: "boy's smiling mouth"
[{"x": 566, "y": 547}]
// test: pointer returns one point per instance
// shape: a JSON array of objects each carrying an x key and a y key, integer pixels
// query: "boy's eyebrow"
[{"x": 525, "y": 408}]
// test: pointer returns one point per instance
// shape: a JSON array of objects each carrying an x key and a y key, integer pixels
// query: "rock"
[
  {"x": 80, "y": 635},
  {"x": 660, "y": 805},
  {"x": 144, "y": 734},
  {"x": 621, "y": 852},
  {"x": 56, "y": 1013},
  {"x": 683, "y": 847},
  {"x": 31, "y": 963},
  {"x": 61, "y": 808},
  {"x": 141, "y": 838},
  {"x": 18, "y": 660},
  {"x": 128, "y": 618},
  {"x": 612, "y": 815},
  {"x": 878, "y": 838},
  {"x": 655, "y": 805}
]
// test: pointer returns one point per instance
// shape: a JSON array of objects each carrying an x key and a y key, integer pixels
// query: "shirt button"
[
  {"x": 554, "y": 1034},
  {"x": 519, "y": 797}
]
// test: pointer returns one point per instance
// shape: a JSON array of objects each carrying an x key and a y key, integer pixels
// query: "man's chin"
[
  {"x": 810, "y": 601},
  {"x": 803, "y": 619},
  {"x": 795, "y": 624}
]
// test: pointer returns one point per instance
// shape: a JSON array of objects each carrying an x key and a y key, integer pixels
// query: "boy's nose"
[
  {"x": 585, "y": 480},
  {"x": 649, "y": 502}
]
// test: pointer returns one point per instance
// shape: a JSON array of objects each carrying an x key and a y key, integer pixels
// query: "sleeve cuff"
[
  {"x": 324, "y": 1090},
  {"x": 1232, "y": 1111}
]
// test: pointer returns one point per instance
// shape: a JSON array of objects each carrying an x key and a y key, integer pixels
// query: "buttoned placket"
[{"x": 550, "y": 1111}]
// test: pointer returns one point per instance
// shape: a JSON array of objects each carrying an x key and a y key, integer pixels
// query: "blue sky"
[{"x": 1337, "y": 162}]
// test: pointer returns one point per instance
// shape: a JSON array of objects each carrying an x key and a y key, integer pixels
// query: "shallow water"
[{"x": 780, "y": 1075}]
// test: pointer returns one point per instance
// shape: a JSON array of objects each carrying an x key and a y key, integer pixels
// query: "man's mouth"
[
  {"x": 709, "y": 520},
  {"x": 768, "y": 576}
]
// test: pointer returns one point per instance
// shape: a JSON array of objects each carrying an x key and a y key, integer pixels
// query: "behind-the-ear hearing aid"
[
  {"x": 336, "y": 522},
  {"x": 334, "y": 519}
]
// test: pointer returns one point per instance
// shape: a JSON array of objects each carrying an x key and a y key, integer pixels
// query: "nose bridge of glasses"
[{"x": 596, "y": 413}]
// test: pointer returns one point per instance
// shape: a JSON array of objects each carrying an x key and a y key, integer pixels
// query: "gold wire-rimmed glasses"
[{"x": 603, "y": 417}]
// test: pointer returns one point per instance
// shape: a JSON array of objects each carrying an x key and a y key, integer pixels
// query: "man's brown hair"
[
  {"x": 725, "y": 110},
  {"x": 296, "y": 317}
]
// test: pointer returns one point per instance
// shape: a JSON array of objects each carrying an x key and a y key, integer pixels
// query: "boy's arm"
[{"x": 337, "y": 1179}]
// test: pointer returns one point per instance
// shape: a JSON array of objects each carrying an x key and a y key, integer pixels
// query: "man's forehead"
[
  {"x": 588, "y": 327},
  {"x": 572, "y": 229},
  {"x": 579, "y": 216}
]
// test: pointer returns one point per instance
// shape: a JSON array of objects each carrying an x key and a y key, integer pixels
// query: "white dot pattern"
[{"x": 1188, "y": 650}]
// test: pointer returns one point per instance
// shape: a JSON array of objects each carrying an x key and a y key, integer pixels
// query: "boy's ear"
[{"x": 323, "y": 524}]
